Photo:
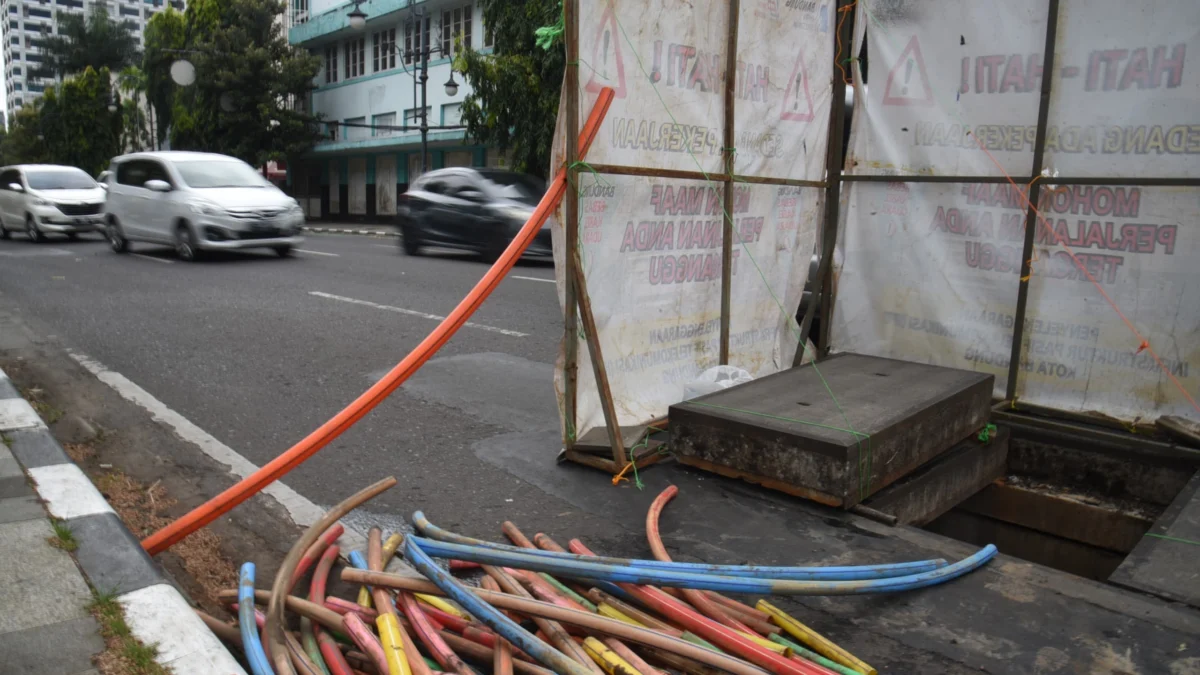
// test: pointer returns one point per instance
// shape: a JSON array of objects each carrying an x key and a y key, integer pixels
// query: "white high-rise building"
[{"x": 27, "y": 23}]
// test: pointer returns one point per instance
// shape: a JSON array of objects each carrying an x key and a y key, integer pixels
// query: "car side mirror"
[
  {"x": 103, "y": 186},
  {"x": 471, "y": 195},
  {"x": 16, "y": 187},
  {"x": 158, "y": 185}
]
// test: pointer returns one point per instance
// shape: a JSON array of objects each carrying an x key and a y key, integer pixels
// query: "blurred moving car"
[
  {"x": 478, "y": 210},
  {"x": 40, "y": 199},
  {"x": 197, "y": 202}
]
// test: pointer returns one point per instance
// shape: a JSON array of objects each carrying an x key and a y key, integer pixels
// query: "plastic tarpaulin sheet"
[{"x": 651, "y": 247}]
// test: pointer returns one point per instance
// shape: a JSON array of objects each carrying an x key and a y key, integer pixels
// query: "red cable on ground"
[
  {"x": 351, "y": 414},
  {"x": 334, "y": 660}
]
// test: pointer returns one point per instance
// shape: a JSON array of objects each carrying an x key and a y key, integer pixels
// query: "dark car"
[{"x": 478, "y": 210}]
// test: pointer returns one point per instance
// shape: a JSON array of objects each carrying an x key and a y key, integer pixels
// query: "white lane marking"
[
  {"x": 548, "y": 281},
  {"x": 410, "y": 312},
  {"x": 68, "y": 492},
  {"x": 331, "y": 255},
  {"x": 34, "y": 253},
  {"x": 143, "y": 256},
  {"x": 302, "y": 511},
  {"x": 388, "y": 246},
  {"x": 158, "y": 615}
]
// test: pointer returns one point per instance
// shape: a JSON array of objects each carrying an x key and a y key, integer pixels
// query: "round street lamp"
[
  {"x": 451, "y": 85},
  {"x": 358, "y": 18}
]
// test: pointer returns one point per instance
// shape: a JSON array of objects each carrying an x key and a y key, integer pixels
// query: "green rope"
[
  {"x": 864, "y": 476},
  {"x": 1176, "y": 539},
  {"x": 986, "y": 433},
  {"x": 547, "y": 36}
]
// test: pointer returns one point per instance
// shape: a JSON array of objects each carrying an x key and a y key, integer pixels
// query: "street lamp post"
[{"x": 358, "y": 21}]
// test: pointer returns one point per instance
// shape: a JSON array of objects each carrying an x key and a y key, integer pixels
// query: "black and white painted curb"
[
  {"x": 347, "y": 230},
  {"x": 110, "y": 556}
]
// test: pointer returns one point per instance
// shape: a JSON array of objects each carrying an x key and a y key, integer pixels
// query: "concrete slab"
[
  {"x": 39, "y": 584},
  {"x": 1164, "y": 562},
  {"x": 16, "y": 413},
  {"x": 786, "y": 430},
  {"x": 938, "y": 485},
  {"x": 159, "y": 614},
  {"x": 8, "y": 463},
  {"x": 7, "y": 388},
  {"x": 111, "y": 557},
  {"x": 17, "y": 509},
  {"x": 36, "y": 448},
  {"x": 64, "y": 647},
  {"x": 68, "y": 492}
]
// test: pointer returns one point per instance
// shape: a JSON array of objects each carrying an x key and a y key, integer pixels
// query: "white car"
[
  {"x": 197, "y": 202},
  {"x": 39, "y": 199}
]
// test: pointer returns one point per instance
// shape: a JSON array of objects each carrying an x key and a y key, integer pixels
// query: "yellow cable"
[
  {"x": 611, "y": 612},
  {"x": 393, "y": 644},
  {"x": 820, "y": 644},
  {"x": 766, "y": 644},
  {"x": 607, "y": 658},
  {"x": 434, "y": 601}
]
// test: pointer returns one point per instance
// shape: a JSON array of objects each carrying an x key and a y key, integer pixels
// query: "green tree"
[
  {"x": 247, "y": 80},
  {"x": 94, "y": 41},
  {"x": 135, "y": 133},
  {"x": 75, "y": 125},
  {"x": 22, "y": 145},
  {"x": 515, "y": 89},
  {"x": 166, "y": 33}
]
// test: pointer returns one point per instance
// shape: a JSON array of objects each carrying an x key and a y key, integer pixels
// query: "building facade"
[
  {"x": 27, "y": 24},
  {"x": 368, "y": 93}
]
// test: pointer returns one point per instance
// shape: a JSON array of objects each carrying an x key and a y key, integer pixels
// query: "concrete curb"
[
  {"x": 109, "y": 554},
  {"x": 344, "y": 230}
]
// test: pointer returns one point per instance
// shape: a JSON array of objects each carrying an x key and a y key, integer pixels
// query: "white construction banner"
[
  {"x": 1125, "y": 100},
  {"x": 784, "y": 88},
  {"x": 652, "y": 247},
  {"x": 928, "y": 272},
  {"x": 1140, "y": 246},
  {"x": 651, "y": 251},
  {"x": 945, "y": 78}
]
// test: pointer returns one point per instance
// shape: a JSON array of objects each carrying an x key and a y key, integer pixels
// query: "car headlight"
[
  {"x": 208, "y": 210},
  {"x": 295, "y": 209},
  {"x": 37, "y": 201},
  {"x": 516, "y": 213}
]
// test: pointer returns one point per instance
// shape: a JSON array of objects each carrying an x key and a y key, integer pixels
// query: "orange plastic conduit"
[{"x": 327, "y": 432}]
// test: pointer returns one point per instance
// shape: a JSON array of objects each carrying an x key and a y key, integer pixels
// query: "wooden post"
[
  {"x": 597, "y": 357},
  {"x": 1031, "y": 219},
  {"x": 731, "y": 42},
  {"x": 571, "y": 224},
  {"x": 835, "y": 156}
]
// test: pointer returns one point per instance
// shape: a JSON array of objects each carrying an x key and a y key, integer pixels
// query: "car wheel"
[
  {"x": 3, "y": 232},
  {"x": 409, "y": 242},
  {"x": 32, "y": 230},
  {"x": 185, "y": 244},
  {"x": 116, "y": 238},
  {"x": 283, "y": 251}
]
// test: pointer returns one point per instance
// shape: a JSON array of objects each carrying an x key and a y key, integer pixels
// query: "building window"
[
  {"x": 331, "y": 128},
  {"x": 385, "y": 50},
  {"x": 452, "y": 114},
  {"x": 357, "y": 129},
  {"x": 456, "y": 23},
  {"x": 386, "y": 122},
  {"x": 416, "y": 39},
  {"x": 487, "y": 36},
  {"x": 331, "y": 70},
  {"x": 412, "y": 116},
  {"x": 356, "y": 58}
]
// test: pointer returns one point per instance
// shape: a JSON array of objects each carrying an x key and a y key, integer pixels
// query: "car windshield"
[
  {"x": 73, "y": 179},
  {"x": 515, "y": 186},
  {"x": 219, "y": 174}
]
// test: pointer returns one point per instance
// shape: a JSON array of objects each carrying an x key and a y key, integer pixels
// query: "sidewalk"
[
  {"x": 369, "y": 229},
  {"x": 59, "y": 540}
]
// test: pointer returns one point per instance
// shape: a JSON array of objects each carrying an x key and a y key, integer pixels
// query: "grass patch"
[
  {"x": 63, "y": 537},
  {"x": 6, "y": 441},
  {"x": 46, "y": 410},
  {"x": 124, "y": 654}
]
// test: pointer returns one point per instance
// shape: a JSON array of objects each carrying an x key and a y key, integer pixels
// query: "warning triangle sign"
[
  {"x": 607, "y": 66},
  {"x": 797, "y": 102},
  {"x": 908, "y": 83}
]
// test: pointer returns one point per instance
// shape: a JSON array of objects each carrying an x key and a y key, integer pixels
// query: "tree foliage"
[
  {"x": 515, "y": 89},
  {"x": 94, "y": 41},
  {"x": 69, "y": 125},
  {"x": 247, "y": 80}
]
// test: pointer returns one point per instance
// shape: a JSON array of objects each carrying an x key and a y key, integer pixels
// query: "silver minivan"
[
  {"x": 41, "y": 199},
  {"x": 195, "y": 202}
]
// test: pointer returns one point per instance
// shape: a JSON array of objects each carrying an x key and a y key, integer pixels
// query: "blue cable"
[
  {"x": 583, "y": 569},
  {"x": 492, "y": 617},
  {"x": 251, "y": 644},
  {"x": 434, "y": 532},
  {"x": 848, "y": 573}
]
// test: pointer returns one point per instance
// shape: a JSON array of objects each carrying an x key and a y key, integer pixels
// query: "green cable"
[{"x": 1175, "y": 539}]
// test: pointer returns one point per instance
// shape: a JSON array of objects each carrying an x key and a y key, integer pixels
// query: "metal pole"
[
  {"x": 1031, "y": 221},
  {"x": 571, "y": 226},
  {"x": 731, "y": 42},
  {"x": 424, "y": 109}
]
